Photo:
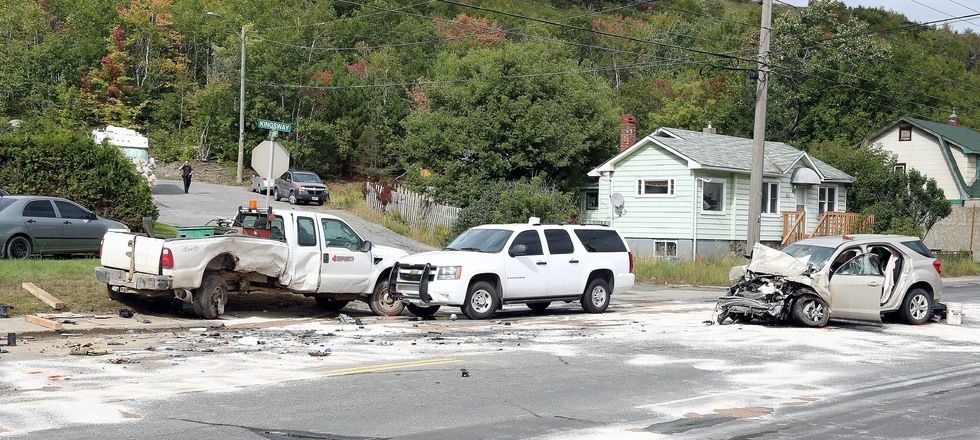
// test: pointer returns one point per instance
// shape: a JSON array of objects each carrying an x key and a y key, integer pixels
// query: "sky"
[{"x": 922, "y": 10}]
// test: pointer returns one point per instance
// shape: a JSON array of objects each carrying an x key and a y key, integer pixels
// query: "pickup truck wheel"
[
  {"x": 331, "y": 304},
  {"x": 596, "y": 296},
  {"x": 275, "y": 194},
  {"x": 211, "y": 297},
  {"x": 538, "y": 307},
  {"x": 422, "y": 311},
  {"x": 481, "y": 301},
  {"x": 383, "y": 304},
  {"x": 292, "y": 199},
  {"x": 811, "y": 311},
  {"x": 916, "y": 307}
]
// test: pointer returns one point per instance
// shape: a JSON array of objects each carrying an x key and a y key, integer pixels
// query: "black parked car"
[{"x": 301, "y": 187}]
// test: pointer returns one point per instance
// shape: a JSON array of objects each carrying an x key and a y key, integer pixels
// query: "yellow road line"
[{"x": 387, "y": 367}]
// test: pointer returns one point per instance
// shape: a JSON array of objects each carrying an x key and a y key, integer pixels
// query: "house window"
[
  {"x": 655, "y": 187},
  {"x": 665, "y": 249},
  {"x": 712, "y": 197},
  {"x": 905, "y": 133},
  {"x": 770, "y": 197},
  {"x": 591, "y": 200},
  {"x": 828, "y": 200},
  {"x": 900, "y": 167}
]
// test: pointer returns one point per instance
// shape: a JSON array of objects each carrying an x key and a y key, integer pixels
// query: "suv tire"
[
  {"x": 292, "y": 198},
  {"x": 422, "y": 311},
  {"x": 596, "y": 296},
  {"x": 811, "y": 311},
  {"x": 382, "y": 304},
  {"x": 916, "y": 307},
  {"x": 482, "y": 301},
  {"x": 211, "y": 297}
]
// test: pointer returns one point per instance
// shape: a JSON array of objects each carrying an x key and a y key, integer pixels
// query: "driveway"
[{"x": 208, "y": 201}]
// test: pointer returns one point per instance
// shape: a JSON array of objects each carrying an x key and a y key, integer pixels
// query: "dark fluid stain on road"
[
  {"x": 755, "y": 435},
  {"x": 686, "y": 424}
]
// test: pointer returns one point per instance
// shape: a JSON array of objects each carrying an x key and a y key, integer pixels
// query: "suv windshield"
[
  {"x": 481, "y": 240},
  {"x": 305, "y": 178},
  {"x": 813, "y": 256}
]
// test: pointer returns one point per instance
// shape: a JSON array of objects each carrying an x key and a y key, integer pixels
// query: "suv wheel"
[
  {"x": 292, "y": 198},
  {"x": 481, "y": 301},
  {"x": 382, "y": 304},
  {"x": 811, "y": 311},
  {"x": 916, "y": 307},
  {"x": 596, "y": 296},
  {"x": 422, "y": 311}
]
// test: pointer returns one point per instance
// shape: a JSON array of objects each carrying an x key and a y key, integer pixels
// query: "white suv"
[{"x": 492, "y": 265}]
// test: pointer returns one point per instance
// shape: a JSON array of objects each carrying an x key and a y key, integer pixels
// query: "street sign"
[
  {"x": 261, "y": 159},
  {"x": 284, "y": 127}
]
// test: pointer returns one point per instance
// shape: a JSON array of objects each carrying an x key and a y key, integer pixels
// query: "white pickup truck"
[
  {"x": 492, "y": 265},
  {"x": 308, "y": 253}
]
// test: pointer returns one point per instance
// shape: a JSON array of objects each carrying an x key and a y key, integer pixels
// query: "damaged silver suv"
[{"x": 853, "y": 277}]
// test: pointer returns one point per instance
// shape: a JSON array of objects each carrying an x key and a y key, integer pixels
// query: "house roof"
[
  {"x": 708, "y": 150},
  {"x": 964, "y": 137}
]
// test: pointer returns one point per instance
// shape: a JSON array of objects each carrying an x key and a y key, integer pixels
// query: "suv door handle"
[
  {"x": 874, "y": 283},
  {"x": 541, "y": 263},
  {"x": 573, "y": 261}
]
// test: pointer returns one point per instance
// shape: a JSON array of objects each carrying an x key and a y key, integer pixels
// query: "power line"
[
  {"x": 937, "y": 10},
  {"x": 324, "y": 23},
  {"x": 961, "y": 4}
]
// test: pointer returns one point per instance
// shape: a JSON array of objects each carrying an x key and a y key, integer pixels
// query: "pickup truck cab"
[
  {"x": 492, "y": 265},
  {"x": 308, "y": 253}
]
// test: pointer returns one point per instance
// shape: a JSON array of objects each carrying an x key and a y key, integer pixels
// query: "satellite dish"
[{"x": 617, "y": 200}]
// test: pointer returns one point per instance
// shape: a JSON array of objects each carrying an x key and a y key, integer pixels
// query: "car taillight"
[
  {"x": 101, "y": 242},
  {"x": 166, "y": 259},
  {"x": 938, "y": 265},
  {"x": 631, "y": 261}
]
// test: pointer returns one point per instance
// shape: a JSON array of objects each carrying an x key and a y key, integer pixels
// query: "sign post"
[{"x": 274, "y": 128}]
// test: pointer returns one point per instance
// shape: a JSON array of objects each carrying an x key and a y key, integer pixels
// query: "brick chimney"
[
  {"x": 709, "y": 129},
  {"x": 627, "y": 132},
  {"x": 954, "y": 119}
]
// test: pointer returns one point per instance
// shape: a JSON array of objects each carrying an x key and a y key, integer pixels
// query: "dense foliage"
[
  {"x": 52, "y": 161},
  {"x": 453, "y": 99},
  {"x": 516, "y": 202}
]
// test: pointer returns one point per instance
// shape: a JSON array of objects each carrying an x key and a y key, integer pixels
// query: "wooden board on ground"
[
  {"x": 46, "y": 323},
  {"x": 48, "y": 298}
]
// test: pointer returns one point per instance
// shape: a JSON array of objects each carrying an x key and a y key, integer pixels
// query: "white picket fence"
[{"x": 416, "y": 209}]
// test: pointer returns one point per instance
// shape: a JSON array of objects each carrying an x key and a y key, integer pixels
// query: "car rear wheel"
[
  {"x": 382, "y": 304},
  {"x": 481, "y": 301},
  {"x": 596, "y": 296},
  {"x": 18, "y": 248},
  {"x": 538, "y": 307},
  {"x": 211, "y": 297},
  {"x": 330, "y": 304},
  {"x": 810, "y": 311},
  {"x": 916, "y": 307},
  {"x": 422, "y": 311}
]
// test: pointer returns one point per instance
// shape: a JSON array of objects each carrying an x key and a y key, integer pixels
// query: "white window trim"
[
  {"x": 671, "y": 186},
  {"x": 904, "y": 167},
  {"x": 656, "y": 242},
  {"x": 779, "y": 201},
  {"x": 821, "y": 200},
  {"x": 585, "y": 202},
  {"x": 724, "y": 199}
]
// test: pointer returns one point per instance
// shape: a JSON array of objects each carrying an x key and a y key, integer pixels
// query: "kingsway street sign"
[{"x": 282, "y": 127}]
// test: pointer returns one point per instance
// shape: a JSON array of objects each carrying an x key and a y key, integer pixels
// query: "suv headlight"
[{"x": 449, "y": 272}]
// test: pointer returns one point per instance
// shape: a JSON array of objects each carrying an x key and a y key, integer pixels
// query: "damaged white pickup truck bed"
[
  {"x": 856, "y": 278},
  {"x": 308, "y": 253}
]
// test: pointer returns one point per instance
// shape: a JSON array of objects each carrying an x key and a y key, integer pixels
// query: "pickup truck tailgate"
[{"x": 124, "y": 251}]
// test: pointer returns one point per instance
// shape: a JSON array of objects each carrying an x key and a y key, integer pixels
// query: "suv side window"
[
  {"x": 39, "y": 208},
  {"x": 865, "y": 264},
  {"x": 558, "y": 241},
  {"x": 919, "y": 247},
  {"x": 600, "y": 240},
  {"x": 531, "y": 240}
]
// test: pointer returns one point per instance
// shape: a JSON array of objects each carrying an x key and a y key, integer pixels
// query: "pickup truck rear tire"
[
  {"x": 596, "y": 296},
  {"x": 539, "y": 306},
  {"x": 422, "y": 311},
  {"x": 482, "y": 301},
  {"x": 211, "y": 297},
  {"x": 382, "y": 304},
  {"x": 331, "y": 304}
]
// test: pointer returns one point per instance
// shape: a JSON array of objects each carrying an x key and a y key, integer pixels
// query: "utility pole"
[
  {"x": 241, "y": 113},
  {"x": 759, "y": 129}
]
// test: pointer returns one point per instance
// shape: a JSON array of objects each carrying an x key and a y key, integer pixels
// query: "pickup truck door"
[
  {"x": 527, "y": 273},
  {"x": 344, "y": 268},
  {"x": 305, "y": 255},
  {"x": 855, "y": 289},
  {"x": 563, "y": 264},
  {"x": 46, "y": 228}
]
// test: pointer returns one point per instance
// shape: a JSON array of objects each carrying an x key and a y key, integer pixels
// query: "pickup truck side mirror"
[
  {"x": 366, "y": 246},
  {"x": 518, "y": 250}
]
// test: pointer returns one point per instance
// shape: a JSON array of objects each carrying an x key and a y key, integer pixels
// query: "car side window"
[
  {"x": 39, "y": 208},
  {"x": 531, "y": 240},
  {"x": 71, "y": 210},
  {"x": 558, "y": 241},
  {"x": 337, "y": 234},
  {"x": 305, "y": 231},
  {"x": 865, "y": 264}
]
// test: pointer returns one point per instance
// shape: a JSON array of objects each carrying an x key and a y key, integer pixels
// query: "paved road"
[
  {"x": 207, "y": 201},
  {"x": 648, "y": 368}
]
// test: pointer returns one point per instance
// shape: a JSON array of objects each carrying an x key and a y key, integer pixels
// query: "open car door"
[{"x": 855, "y": 289}]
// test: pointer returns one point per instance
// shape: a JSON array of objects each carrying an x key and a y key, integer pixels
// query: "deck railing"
[
  {"x": 831, "y": 223},
  {"x": 794, "y": 226}
]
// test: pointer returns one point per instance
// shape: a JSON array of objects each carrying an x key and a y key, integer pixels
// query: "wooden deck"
[{"x": 831, "y": 223}]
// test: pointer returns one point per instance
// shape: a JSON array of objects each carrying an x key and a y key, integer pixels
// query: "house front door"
[{"x": 801, "y": 198}]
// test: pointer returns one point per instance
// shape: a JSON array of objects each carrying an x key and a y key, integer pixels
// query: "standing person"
[{"x": 186, "y": 171}]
